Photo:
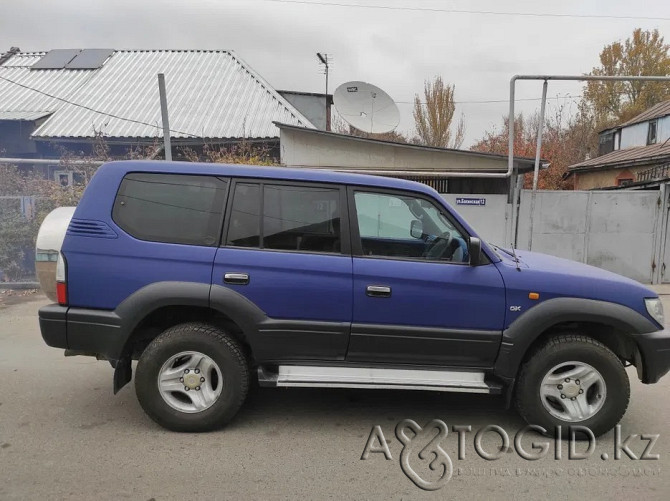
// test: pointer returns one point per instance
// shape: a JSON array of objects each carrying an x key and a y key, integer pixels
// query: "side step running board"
[{"x": 375, "y": 378}]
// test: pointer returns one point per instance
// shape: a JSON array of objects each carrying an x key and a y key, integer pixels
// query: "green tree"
[
  {"x": 645, "y": 53},
  {"x": 434, "y": 116}
]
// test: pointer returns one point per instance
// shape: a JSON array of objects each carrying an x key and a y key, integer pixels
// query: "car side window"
[
  {"x": 245, "y": 224},
  {"x": 171, "y": 208},
  {"x": 407, "y": 226},
  {"x": 301, "y": 218},
  {"x": 285, "y": 217}
]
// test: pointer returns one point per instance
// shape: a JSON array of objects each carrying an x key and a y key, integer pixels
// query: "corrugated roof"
[
  {"x": 638, "y": 155},
  {"x": 211, "y": 94},
  {"x": 23, "y": 115},
  {"x": 23, "y": 59},
  {"x": 657, "y": 111},
  {"x": 24, "y": 90}
]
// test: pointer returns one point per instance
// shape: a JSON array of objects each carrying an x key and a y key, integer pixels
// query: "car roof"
[{"x": 277, "y": 172}]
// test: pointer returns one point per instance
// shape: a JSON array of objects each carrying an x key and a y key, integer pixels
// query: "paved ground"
[{"x": 64, "y": 435}]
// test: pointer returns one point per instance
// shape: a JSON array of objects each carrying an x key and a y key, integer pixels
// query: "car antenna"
[{"x": 516, "y": 259}]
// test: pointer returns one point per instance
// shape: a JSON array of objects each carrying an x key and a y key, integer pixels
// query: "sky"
[{"x": 388, "y": 45}]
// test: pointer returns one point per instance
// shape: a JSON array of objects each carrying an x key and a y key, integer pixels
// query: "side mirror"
[
  {"x": 416, "y": 229},
  {"x": 475, "y": 251}
]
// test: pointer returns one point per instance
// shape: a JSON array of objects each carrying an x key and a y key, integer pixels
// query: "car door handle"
[
  {"x": 236, "y": 278},
  {"x": 378, "y": 291}
]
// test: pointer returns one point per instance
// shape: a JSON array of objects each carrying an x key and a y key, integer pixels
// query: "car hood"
[
  {"x": 539, "y": 261},
  {"x": 557, "y": 277}
]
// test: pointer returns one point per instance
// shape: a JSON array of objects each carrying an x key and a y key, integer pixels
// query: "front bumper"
[{"x": 654, "y": 348}]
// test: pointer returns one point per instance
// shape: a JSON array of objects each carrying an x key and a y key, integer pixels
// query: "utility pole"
[
  {"x": 323, "y": 58},
  {"x": 164, "y": 114}
]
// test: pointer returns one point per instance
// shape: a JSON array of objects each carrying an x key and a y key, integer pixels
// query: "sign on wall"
[{"x": 471, "y": 201}]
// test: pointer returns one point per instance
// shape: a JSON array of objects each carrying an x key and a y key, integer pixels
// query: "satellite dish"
[{"x": 366, "y": 107}]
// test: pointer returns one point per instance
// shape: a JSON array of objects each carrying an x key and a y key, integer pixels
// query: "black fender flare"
[
  {"x": 521, "y": 333},
  {"x": 146, "y": 300},
  {"x": 240, "y": 310}
]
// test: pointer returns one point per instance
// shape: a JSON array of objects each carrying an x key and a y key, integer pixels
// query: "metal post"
[
  {"x": 164, "y": 115},
  {"x": 660, "y": 234},
  {"x": 327, "y": 114},
  {"x": 510, "y": 128},
  {"x": 536, "y": 172},
  {"x": 510, "y": 164},
  {"x": 324, "y": 60}
]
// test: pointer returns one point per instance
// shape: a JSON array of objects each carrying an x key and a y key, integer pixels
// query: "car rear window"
[{"x": 171, "y": 208}]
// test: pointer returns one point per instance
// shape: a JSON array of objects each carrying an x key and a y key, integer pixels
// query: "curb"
[{"x": 19, "y": 285}]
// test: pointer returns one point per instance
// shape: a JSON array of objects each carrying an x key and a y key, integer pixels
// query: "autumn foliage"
[
  {"x": 569, "y": 138},
  {"x": 434, "y": 115},
  {"x": 563, "y": 144}
]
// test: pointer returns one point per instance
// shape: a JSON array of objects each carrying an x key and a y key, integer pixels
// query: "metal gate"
[{"x": 620, "y": 231}]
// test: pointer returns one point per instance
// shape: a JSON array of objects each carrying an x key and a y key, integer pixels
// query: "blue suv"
[{"x": 216, "y": 275}]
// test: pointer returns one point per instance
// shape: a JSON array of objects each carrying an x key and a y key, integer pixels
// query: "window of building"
[
  {"x": 625, "y": 177},
  {"x": 605, "y": 142},
  {"x": 171, "y": 208},
  {"x": 407, "y": 227},
  {"x": 294, "y": 218},
  {"x": 651, "y": 135}
]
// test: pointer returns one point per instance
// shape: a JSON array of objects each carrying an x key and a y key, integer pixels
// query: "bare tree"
[
  {"x": 459, "y": 136},
  {"x": 434, "y": 116}
]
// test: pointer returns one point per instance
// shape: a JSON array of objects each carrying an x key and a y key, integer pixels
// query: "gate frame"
[
  {"x": 510, "y": 146},
  {"x": 661, "y": 234}
]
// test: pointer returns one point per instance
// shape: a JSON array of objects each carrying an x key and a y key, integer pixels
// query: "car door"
[
  {"x": 285, "y": 250},
  {"x": 416, "y": 298}
]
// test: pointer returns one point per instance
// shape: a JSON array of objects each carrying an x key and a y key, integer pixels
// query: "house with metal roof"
[
  {"x": 634, "y": 154},
  {"x": 68, "y": 97},
  {"x": 441, "y": 168}
]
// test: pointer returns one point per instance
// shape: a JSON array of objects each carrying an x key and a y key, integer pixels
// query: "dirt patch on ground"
[{"x": 9, "y": 297}]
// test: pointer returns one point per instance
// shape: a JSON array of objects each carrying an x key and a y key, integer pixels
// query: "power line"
[
  {"x": 111, "y": 115},
  {"x": 132, "y": 120},
  {"x": 463, "y": 11},
  {"x": 491, "y": 101}
]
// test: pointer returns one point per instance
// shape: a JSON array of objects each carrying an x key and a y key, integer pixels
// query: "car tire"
[
  {"x": 547, "y": 395},
  {"x": 185, "y": 355}
]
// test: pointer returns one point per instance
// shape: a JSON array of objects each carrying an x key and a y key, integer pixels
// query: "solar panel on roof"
[
  {"x": 56, "y": 59},
  {"x": 89, "y": 59}
]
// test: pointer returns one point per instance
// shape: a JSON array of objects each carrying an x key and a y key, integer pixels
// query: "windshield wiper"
[
  {"x": 516, "y": 259},
  {"x": 498, "y": 247}
]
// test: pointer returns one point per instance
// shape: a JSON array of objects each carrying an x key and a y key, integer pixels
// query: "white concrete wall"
[{"x": 489, "y": 221}]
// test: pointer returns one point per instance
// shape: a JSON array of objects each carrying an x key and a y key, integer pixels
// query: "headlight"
[{"x": 655, "y": 309}]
